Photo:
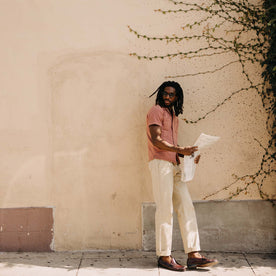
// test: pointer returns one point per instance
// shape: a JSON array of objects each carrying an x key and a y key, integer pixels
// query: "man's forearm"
[
  {"x": 155, "y": 132},
  {"x": 164, "y": 145}
]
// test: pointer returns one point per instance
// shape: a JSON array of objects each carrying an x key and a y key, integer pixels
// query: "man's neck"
[{"x": 170, "y": 109}]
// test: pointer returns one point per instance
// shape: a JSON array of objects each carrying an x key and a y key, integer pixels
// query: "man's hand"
[{"x": 197, "y": 159}]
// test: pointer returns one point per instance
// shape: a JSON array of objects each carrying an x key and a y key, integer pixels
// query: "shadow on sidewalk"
[{"x": 126, "y": 259}]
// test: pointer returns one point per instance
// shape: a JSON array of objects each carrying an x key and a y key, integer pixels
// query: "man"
[{"x": 168, "y": 190}]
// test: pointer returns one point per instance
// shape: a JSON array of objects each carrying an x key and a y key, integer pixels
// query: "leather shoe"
[
  {"x": 173, "y": 265},
  {"x": 193, "y": 263}
]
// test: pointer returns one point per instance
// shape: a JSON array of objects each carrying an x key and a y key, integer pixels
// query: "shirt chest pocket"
[{"x": 167, "y": 124}]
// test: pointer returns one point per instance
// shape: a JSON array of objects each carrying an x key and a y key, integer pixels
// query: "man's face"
[{"x": 169, "y": 96}]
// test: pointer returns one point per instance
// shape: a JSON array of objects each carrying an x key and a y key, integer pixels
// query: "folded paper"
[{"x": 188, "y": 166}]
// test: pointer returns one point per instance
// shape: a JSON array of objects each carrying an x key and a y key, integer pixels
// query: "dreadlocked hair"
[{"x": 178, "y": 104}]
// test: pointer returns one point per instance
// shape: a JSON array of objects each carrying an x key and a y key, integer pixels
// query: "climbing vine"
[{"x": 248, "y": 31}]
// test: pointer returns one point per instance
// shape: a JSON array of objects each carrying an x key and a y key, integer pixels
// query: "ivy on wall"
[{"x": 248, "y": 32}]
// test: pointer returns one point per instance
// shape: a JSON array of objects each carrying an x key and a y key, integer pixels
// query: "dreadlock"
[{"x": 178, "y": 105}]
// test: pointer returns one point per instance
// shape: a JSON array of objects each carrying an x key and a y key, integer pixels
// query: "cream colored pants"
[{"x": 172, "y": 194}]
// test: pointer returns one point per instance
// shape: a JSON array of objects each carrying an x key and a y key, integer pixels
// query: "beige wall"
[{"x": 73, "y": 107}]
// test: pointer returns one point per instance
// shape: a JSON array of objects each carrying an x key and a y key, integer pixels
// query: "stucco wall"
[{"x": 73, "y": 106}]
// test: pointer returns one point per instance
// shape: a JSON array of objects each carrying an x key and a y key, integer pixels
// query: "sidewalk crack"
[
  {"x": 80, "y": 263},
  {"x": 244, "y": 255}
]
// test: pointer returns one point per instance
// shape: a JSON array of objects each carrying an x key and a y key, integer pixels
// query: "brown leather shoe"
[
  {"x": 173, "y": 265},
  {"x": 193, "y": 263}
]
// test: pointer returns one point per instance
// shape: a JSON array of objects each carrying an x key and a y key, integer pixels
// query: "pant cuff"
[
  {"x": 194, "y": 249},
  {"x": 163, "y": 253}
]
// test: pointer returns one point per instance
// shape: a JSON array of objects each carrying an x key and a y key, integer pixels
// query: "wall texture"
[
  {"x": 225, "y": 226},
  {"x": 73, "y": 106}
]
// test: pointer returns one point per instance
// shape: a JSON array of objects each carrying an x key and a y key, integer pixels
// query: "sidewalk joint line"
[
  {"x": 244, "y": 255},
  {"x": 80, "y": 263}
]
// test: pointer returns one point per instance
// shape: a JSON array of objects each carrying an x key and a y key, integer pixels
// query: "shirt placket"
[{"x": 172, "y": 125}]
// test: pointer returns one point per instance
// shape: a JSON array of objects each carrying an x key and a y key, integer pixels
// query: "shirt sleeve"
[{"x": 155, "y": 116}]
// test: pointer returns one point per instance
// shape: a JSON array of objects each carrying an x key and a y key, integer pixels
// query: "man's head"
[{"x": 170, "y": 94}]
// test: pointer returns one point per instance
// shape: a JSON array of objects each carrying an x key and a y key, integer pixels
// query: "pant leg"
[
  {"x": 184, "y": 208},
  {"x": 162, "y": 182}
]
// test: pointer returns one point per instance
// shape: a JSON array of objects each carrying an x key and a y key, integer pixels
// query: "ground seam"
[
  {"x": 244, "y": 255},
  {"x": 80, "y": 263}
]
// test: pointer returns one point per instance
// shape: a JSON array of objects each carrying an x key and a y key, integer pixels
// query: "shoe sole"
[
  {"x": 179, "y": 270},
  {"x": 203, "y": 265}
]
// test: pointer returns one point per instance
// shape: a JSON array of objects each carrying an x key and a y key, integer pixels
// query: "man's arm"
[{"x": 155, "y": 133}]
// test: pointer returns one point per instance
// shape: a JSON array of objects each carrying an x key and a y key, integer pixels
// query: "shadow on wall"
[{"x": 98, "y": 147}]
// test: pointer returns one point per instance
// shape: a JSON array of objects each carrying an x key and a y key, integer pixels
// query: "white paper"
[
  {"x": 204, "y": 141},
  {"x": 189, "y": 166}
]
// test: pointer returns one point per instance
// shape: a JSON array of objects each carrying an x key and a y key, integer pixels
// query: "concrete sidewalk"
[{"x": 128, "y": 263}]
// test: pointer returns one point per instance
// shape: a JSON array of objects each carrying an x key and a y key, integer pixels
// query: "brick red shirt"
[{"x": 162, "y": 117}]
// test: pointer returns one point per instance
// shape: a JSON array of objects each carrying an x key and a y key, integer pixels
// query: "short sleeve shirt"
[{"x": 162, "y": 117}]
